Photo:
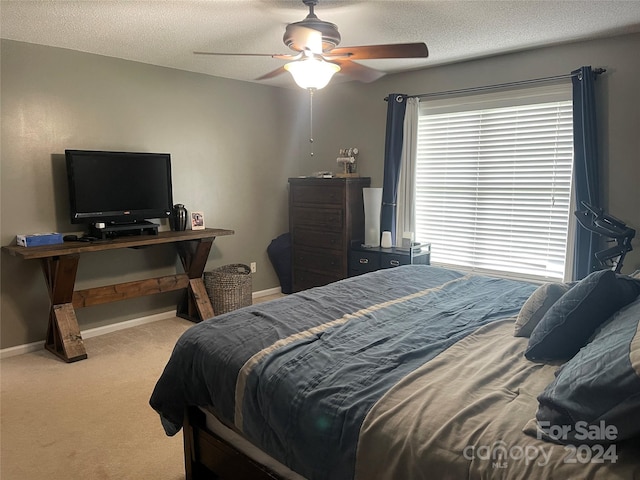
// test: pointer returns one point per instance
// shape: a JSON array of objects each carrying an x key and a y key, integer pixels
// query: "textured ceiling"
[{"x": 166, "y": 32}]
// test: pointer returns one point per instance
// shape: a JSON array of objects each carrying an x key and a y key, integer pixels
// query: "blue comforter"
[{"x": 297, "y": 376}]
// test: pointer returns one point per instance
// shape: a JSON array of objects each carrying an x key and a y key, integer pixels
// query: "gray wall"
[
  {"x": 233, "y": 145},
  {"x": 227, "y": 161}
]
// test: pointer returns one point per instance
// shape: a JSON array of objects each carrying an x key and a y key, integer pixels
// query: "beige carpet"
[{"x": 91, "y": 419}]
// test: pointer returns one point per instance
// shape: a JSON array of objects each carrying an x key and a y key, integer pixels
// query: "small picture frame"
[{"x": 197, "y": 221}]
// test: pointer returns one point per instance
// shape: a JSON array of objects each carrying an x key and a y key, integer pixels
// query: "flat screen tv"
[{"x": 117, "y": 188}]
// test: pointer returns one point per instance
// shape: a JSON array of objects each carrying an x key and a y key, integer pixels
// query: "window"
[{"x": 493, "y": 181}]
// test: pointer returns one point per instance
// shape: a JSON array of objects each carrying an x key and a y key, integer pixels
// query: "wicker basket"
[{"x": 228, "y": 287}]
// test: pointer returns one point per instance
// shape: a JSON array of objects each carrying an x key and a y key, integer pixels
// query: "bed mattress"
[{"x": 412, "y": 372}]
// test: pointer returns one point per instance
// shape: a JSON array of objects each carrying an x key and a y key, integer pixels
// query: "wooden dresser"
[{"x": 325, "y": 216}]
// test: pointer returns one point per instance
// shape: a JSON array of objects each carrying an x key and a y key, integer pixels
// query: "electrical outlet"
[{"x": 253, "y": 267}]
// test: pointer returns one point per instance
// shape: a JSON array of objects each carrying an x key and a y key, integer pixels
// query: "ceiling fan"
[{"x": 317, "y": 56}]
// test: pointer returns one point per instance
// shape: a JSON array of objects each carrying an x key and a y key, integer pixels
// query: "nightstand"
[{"x": 363, "y": 260}]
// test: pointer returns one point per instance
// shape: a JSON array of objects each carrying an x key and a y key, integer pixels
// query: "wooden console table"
[{"x": 60, "y": 265}]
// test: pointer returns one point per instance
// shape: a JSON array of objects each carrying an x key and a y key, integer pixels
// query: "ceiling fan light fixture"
[{"x": 312, "y": 72}]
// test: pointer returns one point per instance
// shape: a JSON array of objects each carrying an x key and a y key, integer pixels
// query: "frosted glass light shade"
[{"x": 312, "y": 72}]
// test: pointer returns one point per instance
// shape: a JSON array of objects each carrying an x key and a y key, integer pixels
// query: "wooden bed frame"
[{"x": 207, "y": 456}]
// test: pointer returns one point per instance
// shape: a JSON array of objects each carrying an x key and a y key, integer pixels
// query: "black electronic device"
[
  {"x": 115, "y": 193},
  {"x": 106, "y": 232},
  {"x": 596, "y": 220}
]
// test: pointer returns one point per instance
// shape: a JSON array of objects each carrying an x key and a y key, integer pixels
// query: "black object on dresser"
[
  {"x": 363, "y": 260},
  {"x": 326, "y": 215}
]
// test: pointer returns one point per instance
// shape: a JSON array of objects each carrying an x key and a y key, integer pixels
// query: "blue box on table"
[{"x": 38, "y": 239}]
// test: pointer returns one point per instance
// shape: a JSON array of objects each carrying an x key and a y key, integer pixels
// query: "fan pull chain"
[{"x": 311, "y": 119}]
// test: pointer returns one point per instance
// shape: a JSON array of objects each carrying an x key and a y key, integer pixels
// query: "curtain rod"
[{"x": 597, "y": 71}]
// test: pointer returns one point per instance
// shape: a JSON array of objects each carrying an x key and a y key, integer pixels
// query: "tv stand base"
[{"x": 122, "y": 230}]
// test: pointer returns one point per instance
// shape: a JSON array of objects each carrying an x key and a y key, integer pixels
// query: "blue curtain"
[
  {"x": 586, "y": 168},
  {"x": 396, "y": 107}
]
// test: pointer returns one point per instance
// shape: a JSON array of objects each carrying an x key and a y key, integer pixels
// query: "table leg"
[
  {"x": 63, "y": 333},
  {"x": 195, "y": 304}
]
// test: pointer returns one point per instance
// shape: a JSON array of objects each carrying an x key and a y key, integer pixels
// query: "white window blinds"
[{"x": 493, "y": 183}]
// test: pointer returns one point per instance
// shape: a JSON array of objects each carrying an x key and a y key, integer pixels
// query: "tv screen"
[{"x": 118, "y": 187}]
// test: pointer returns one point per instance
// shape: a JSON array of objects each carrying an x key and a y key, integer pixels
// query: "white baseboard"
[
  {"x": 91, "y": 332},
  {"x": 94, "y": 332},
  {"x": 135, "y": 322},
  {"x": 20, "y": 349},
  {"x": 266, "y": 293}
]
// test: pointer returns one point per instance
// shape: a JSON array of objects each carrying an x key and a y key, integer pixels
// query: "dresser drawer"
[
  {"x": 363, "y": 262},
  {"x": 390, "y": 260},
  {"x": 304, "y": 279},
  {"x": 318, "y": 238},
  {"x": 319, "y": 260},
  {"x": 319, "y": 218},
  {"x": 327, "y": 195}
]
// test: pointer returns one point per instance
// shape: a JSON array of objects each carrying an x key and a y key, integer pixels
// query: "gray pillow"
[
  {"x": 568, "y": 324},
  {"x": 537, "y": 305},
  {"x": 598, "y": 387}
]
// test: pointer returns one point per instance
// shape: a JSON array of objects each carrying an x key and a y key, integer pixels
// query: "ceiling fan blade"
[
  {"x": 272, "y": 74},
  {"x": 371, "y": 52},
  {"x": 304, "y": 38},
  {"x": 357, "y": 71},
  {"x": 282, "y": 56}
]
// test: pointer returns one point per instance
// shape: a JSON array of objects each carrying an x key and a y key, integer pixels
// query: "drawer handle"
[
  {"x": 364, "y": 261},
  {"x": 394, "y": 263}
]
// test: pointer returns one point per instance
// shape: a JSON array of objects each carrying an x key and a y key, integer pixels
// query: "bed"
[{"x": 414, "y": 372}]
